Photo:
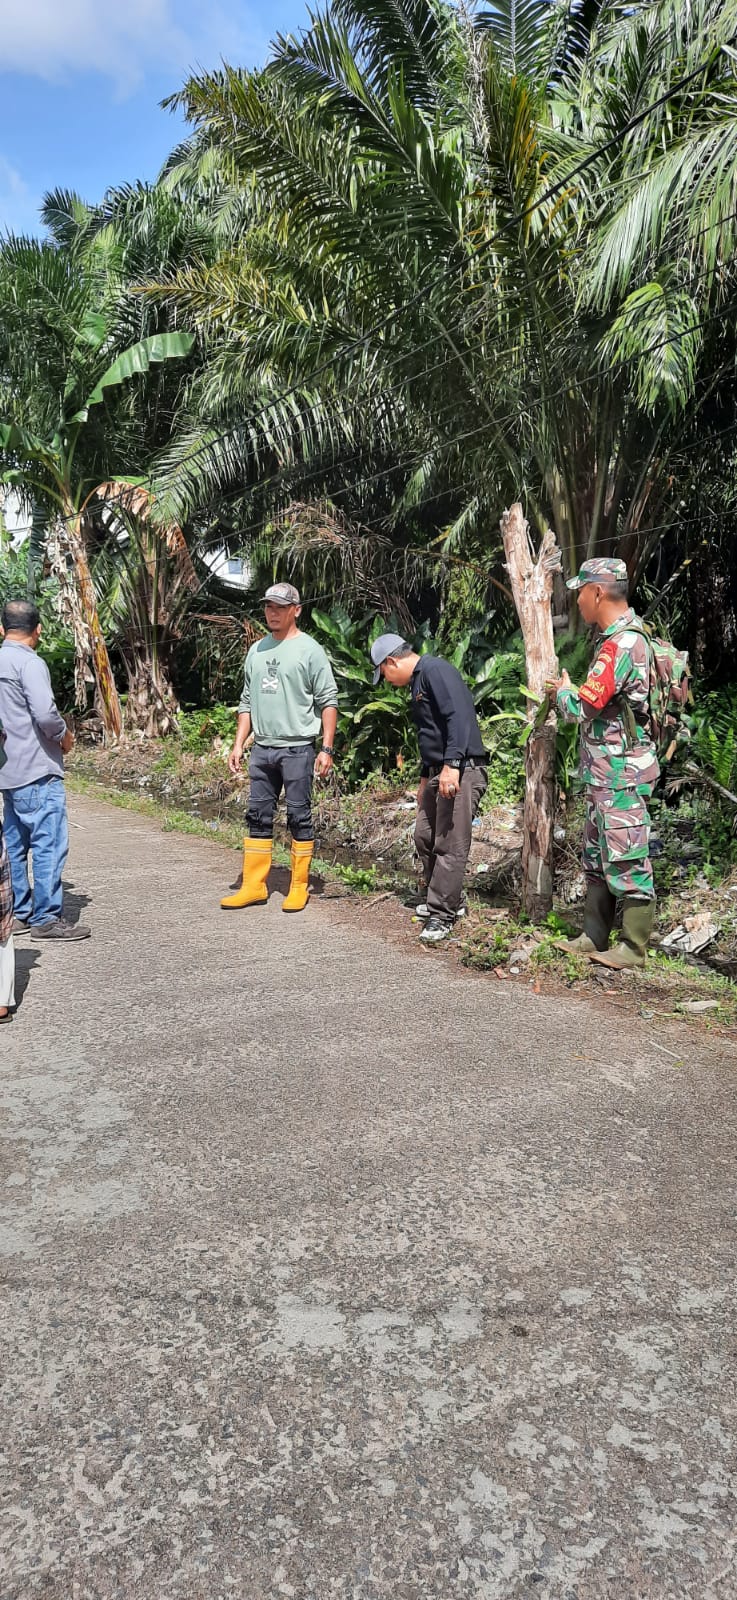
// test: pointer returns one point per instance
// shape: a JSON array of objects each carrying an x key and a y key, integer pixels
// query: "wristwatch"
[
  {"x": 456, "y": 764},
  {"x": 326, "y": 750}
]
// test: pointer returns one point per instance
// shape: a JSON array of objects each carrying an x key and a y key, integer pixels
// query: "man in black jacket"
[{"x": 453, "y": 778}]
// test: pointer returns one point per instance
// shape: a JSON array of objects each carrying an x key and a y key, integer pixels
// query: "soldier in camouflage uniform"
[{"x": 619, "y": 766}]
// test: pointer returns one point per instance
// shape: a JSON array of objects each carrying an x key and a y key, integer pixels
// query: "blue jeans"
[{"x": 35, "y": 821}]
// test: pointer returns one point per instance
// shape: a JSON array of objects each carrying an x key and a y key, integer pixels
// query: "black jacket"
[{"x": 444, "y": 714}]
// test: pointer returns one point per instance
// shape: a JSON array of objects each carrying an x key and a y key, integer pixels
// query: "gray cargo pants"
[
  {"x": 271, "y": 769},
  {"x": 443, "y": 839}
]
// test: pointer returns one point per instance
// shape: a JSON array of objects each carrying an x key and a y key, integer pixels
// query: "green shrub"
[
  {"x": 713, "y": 749},
  {"x": 363, "y": 880},
  {"x": 506, "y": 765},
  {"x": 375, "y": 728},
  {"x": 714, "y": 734},
  {"x": 57, "y": 644},
  {"x": 198, "y": 730},
  {"x": 488, "y": 945}
]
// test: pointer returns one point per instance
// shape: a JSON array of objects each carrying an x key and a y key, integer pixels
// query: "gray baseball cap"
[
  {"x": 282, "y": 594},
  {"x": 387, "y": 644}
]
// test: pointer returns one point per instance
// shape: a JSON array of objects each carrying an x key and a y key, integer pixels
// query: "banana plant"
[{"x": 57, "y": 336}]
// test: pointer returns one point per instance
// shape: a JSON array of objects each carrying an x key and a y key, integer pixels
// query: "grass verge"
[{"x": 357, "y": 880}]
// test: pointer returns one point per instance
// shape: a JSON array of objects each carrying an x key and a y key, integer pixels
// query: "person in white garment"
[{"x": 7, "y": 947}]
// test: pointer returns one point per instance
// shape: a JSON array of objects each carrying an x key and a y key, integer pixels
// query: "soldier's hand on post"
[{"x": 554, "y": 684}]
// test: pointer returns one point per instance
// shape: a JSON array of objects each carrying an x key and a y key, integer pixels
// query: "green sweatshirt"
[{"x": 286, "y": 688}]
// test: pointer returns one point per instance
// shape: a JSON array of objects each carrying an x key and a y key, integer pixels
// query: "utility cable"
[{"x": 515, "y": 221}]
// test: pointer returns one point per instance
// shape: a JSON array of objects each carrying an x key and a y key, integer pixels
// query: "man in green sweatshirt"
[{"x": 289, "y": 697}]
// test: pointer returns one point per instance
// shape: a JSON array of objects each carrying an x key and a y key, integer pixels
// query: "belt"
[{"x": 468, "y": 761}]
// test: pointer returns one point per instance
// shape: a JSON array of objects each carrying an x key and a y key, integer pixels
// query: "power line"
[
  {"x": 555, "y": 272},
  {"x": 380, "y": 523},
  {"x": 421, "y": 455},
  {"x": 449, "y": 559},
  {"x": 504, "y": 424},
  {"x": 445, "y": 445},
  {"x": 487, "y": 244},
  {"x": 418, "y": 457},
  {"x": 598, "y": 544},
  {"x": 411, "y": 354},
  {"x": 414, "y": 351},
  {"x": 387, "y": 392}
]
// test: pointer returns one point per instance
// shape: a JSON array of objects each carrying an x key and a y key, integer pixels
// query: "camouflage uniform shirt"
[
  {"x": 618, "y": 761},
  {"x": 617, "y": 751}
]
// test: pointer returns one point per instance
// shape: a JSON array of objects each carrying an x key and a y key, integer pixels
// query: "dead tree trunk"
[
  {"x": 69, "y": 564},
  {"x": 152, "y": 706},
  {"x": 531, "y": 581}
]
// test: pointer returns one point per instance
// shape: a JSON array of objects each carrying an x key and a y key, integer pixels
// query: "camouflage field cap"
[{"x": 601, "y": 569}]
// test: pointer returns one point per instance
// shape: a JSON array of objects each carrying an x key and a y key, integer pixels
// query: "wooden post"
[{"x": 531, "y": 580}]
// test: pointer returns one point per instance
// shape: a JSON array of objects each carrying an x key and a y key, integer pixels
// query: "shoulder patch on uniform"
[{"x": 600, "y": 683}]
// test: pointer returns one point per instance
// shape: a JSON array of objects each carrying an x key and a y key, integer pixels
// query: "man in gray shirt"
[{"x": 32, "y": 779}]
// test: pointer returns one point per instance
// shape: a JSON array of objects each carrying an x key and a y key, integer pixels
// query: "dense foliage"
[{"x": 422, "y": 263}]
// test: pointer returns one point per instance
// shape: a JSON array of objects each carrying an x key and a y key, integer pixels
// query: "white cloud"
[
  {"x": 123, "y": 39},
  {"x": 11, "y": 181},
  {"x": 18, "y": 207}
]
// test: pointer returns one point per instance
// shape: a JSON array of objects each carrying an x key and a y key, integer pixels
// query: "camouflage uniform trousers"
[{"x": 616, "y": 841}]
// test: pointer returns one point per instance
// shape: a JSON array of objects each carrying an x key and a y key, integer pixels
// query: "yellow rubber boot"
[
  {"x": 256, "y": 868},
  {"x": 299, "y": 888}
]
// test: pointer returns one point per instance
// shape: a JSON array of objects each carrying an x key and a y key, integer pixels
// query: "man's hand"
[
  {"x": 323, "y": 764},
  {"x": 554, "y": 684},
  {"x": 234, "y": 760},
  {"x": 421, "y": 787},
  {"x": 67, "y": 743},
  {"x": 449, "y": 782}
]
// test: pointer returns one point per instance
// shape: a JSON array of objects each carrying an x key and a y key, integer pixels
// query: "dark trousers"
[
  {"x": 443, "y": 839},
  {"x": 270, "y": 770}
]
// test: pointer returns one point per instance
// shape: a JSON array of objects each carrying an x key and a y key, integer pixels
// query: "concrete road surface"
[{"x": 330, "y": 1272}]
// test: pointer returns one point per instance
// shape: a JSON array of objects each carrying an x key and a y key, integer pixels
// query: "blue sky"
[{"x": 81, "y": 82}]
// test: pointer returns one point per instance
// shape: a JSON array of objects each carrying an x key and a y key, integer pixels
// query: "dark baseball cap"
[
  {"x": 386, "y": 645},
  {"x": 282, "y": 594}
]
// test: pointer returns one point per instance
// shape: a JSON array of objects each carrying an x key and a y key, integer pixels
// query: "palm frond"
[
  {"x": 411, "y": 38},
  {"x": 656, "y": 337},
  {"x": 66, "y": 216},
  {"x": 518, "y": 29},
  {"x": 689, "y": 196}
]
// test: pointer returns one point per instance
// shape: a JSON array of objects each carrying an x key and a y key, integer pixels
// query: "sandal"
[{"x": 5, "y": 1016}]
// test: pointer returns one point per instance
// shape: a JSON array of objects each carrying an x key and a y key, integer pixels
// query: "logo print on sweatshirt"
[{"x": 270, "y": 684}]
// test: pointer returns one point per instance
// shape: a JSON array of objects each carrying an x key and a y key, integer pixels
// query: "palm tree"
[
  {"x": 396, "y": 173},
  {"x": 499, "y": 243}
]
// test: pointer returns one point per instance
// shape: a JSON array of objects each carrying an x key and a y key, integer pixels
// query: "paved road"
[{"x": 333, "y": 1273}]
